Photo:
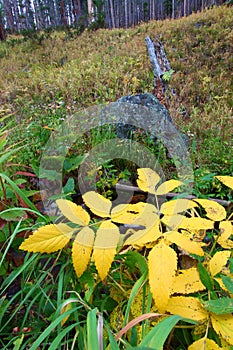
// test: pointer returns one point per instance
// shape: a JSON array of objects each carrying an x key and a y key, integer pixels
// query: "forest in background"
[{"x": 20, "y": 16}]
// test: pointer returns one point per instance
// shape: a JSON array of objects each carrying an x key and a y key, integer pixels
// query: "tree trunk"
[
  {"x": 76, "y": 9},
  {"x": 2, "y": 29},
  {"x": 173, "y": 9},
  {"x": 63, "y": 13},
  {"x": 126, "y": 13},
  {"x": 112, "y": 13},
  {"x": 90, "y": 11},
  {"x": 185, "y": 8}
]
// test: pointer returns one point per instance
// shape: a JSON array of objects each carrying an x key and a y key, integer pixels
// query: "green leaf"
[
  {"x": 8, "y": 154},
  {"x": 92, "y": 336},
  {"x": 49, "y": 174},
  {"x": 19, "y": 192},
  {"x": 133, "y": 257},
  {"x": 205, "y": 277},
  {"x": 228, "y": 282},
  {"x": 73, "y": 163},
  {"x": 69, "y": 186},
  {"x": 134, "y": 291},
  {"x": 18, "y": 342},
  {"x": 113, "y": 342},
  {"x": 158, "y": 335},
  {"x": 12, "y": 215},
  {"x": 220, "y": 306}
]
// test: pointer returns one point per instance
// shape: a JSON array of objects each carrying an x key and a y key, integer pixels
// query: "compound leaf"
[
  {"x": 223, "y": 326},
  {"x": 81, "y": 250},
  {"x": 218, "y": 261},
  {"x": 48, "y": 239},
  {"x": 147, "y": 180},
  {"x": 162, "y": 262},
  {"x": 98, "y": 204},
  {"x": 107, "y": 238},
  {"x": 75, "y": 213},
  {"x": 188, "y": 307}
]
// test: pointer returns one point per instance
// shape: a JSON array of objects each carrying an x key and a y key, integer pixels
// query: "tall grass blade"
[
  {"x": 19, "y": 192},
  {"x": 158, "y": 335},
  {"x": 92, "y": 336},
  {"x": 57, "y": 341},
  {"x": 49, "y": 329},
  {"x": 138, "y": 285}
]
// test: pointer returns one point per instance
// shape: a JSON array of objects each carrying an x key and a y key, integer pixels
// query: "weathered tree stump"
[{"x": 160, "y": 65}]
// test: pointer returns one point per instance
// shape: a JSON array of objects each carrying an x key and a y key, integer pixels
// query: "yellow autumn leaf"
[
  {"x": 141, "y": 237},
  {"x": 98, "y": 204},
  {"x": 143, "y": 214},
  {"x": 223, "y": 326},
  {"x": 147, "y": 180},
  {"x": 168, "y": 186},
  {"x": 48, "y": 239},
  {"x": 128, "y": 213},
  {"x": 184, "y": 242},
  {"x": 176, "y": 206},
  {"x": 65, "y": 308},
  {"x": 187, "y": 281},
  {"x": 204, "y": 344},
  {"x": 81, "y": 250},
  {"x": 214, "y": 210},
  {"x": 218, "y": 261},
  {"x": 162, "y": 262},
  {"x": 107, "y": 238},
  {"x": 226, "y": 180},
  {"x": 226, "y": 230},
  {"x": 188, "y": 307},
  {"x": 225, "y": 345},
  {"x": 180, "y": 221},
  {"x": 75, "y": 213}
]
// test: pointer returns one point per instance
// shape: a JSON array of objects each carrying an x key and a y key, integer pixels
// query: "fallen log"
[{"x": 127, "y": 188}]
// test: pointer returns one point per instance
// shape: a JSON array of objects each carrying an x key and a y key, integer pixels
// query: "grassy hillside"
[{"x": 44, "y": 78}]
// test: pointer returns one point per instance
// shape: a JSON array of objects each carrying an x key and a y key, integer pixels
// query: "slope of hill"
[{"x": 44, "y": 78}]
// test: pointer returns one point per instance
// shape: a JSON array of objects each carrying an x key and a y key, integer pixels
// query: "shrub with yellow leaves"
[{"x": 202, "y": 293}]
